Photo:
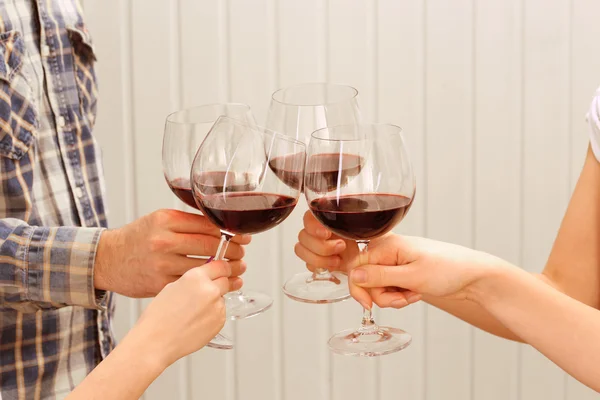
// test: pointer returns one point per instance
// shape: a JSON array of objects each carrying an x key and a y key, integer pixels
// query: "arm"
[
  {"x": 125, "y": 374},
  {"x": 164, "y": 333},
  {"x": 44, "y": 267},
  {"x": 574, "y": 263},
  {"x": 52, "y": 267},
  {"x": 562, "y": 328}
]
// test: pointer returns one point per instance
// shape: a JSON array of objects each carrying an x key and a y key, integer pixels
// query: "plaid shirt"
[{"x": 54, "y": 327}]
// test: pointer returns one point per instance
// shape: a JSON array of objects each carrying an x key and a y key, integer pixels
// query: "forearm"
[
  {"x": 563, "y": 329},
  {"x": 473, "y": 314},
  {"x": 124, "y": 375}
]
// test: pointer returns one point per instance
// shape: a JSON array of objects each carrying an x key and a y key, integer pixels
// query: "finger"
[
  {"x": 314, "y": 227},
  {"x": 361, "y": 295},
  {"x": 181, "y": 264},
  {"x": 217, "y": 269},
  {"x": 382, "y": 276},
  {"x": 241, "y": 239},
  {"x": 394, "y": 299},
  {"x": 222, "y": 284},
  {"x": 204, "y": 245},
  {"x": 320, "y": 246},
  {"x": 332, "y": 263},
  {"x": 235, "y": 284},
  {"x": 184, "y": 222}
]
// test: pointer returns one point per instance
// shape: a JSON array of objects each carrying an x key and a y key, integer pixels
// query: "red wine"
[
  {"x": 361, "y": 216},
  {"x": 222, "y": 181},
  {"x": 325, "y": 172},
  {"x": 182, "y": 189},
  {"x": 247, "y": 213},
  {"x": 286, "y": 169}
]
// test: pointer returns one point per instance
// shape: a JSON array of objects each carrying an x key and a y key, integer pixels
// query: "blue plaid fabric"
[{"x": 54, "y": 326}]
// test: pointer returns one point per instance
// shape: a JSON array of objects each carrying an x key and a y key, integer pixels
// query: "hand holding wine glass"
[
  {"x": 362, "y": 208},
  {"x": 185, "y": 130},
  {"x": 236, "y": 189}
]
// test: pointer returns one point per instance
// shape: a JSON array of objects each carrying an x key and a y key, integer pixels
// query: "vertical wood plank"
[
  {"x": 302, "y": 48},
  {"x": 401, "y": 71},
  {"x": 584, "y": 80},
  {"x": 204, "y": 74},
  {"x": 498, "y": 28},
  {"x": 449, "y": 130},
  {"x": 153, "y": 91},
  {"x": 114, "y": 75},
  {"x": 351, "y": 53},
  {"x": 546, "y": 164},
  {"x": 252, "y": 71}
]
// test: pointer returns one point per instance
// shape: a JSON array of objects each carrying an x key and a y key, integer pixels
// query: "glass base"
[
  {"x": 317, "y": 288},
  {"x": 370, "y": 341},
  {"x": 247, "y": 304},
  {"x": 221, "y": 342}
]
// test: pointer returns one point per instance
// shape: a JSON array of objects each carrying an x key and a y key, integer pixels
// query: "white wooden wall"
[{"x": 492, "y": 95}]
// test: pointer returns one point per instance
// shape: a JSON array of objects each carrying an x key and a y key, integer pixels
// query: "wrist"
[
  {"x": 103, "y": 260},
  {"x": 493, "y": 283},
  {"x": 141, "y": 345}
]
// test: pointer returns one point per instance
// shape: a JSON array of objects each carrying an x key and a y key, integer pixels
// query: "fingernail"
[
  {"x": 243, "y": 267},
  {"x": 413, "y": 298},
  {"x": 399, "y": 303},
  {"x": 359, "y": 276},
  {"x": 339, "y": 246}
]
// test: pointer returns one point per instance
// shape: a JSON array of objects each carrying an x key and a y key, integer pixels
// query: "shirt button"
[
  {"x": 45, "y": 51},
  {"x": 78, "y": 192},
  {"x": 61, "y": 122}
]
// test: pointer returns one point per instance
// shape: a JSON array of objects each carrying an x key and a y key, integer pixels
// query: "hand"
[
  {"x": 186, "y": 314},
  {"x": 397, "y": 270},
  {"x": 320, "y": 248},
  {"x": 140, "y": 258}
]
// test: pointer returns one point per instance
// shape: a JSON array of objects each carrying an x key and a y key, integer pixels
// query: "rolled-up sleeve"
[{"x": 47, "y": 267}]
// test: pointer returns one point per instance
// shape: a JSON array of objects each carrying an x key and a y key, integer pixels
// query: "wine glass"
[
  {"x": 361, "y": 204},
  {"x": 184, "y": 132},
  {"x": 298, "y": 111},
  {"x": 236, "y": 189}
]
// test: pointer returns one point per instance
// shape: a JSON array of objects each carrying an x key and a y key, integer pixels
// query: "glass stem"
[
  {"x": 223, "y": 244},
  {"x": 221, "y": 250},
  {"x": 368, "y": 323}
]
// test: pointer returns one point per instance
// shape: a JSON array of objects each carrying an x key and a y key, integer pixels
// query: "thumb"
[
  {"x": 217, "y": 269},
  {"x": 370, "y": 276}
]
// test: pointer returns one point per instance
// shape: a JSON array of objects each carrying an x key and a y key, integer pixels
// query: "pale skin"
[
  {"x": 183, "y": 318},
  {"x": 555, "y": 311}
]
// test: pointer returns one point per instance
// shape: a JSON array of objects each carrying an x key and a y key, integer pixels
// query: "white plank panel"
[
  {"x": 301, "y": 42},
  {"x": 401, "y": 83},
  {"x": 449, "y": 130},
  {"x": 498, "y": 28},
  {"x": 252, "y": 81},
  {"x": 204, "y": 75},
  {"x": 113, "y": 128},
  {"x": 304, "y": 330},
  {"x": 546, "y": 168},
  {"x": 351, "y": 57},
  {"x": 154, "y": 91},
  {"x": 585, "y": 64}
]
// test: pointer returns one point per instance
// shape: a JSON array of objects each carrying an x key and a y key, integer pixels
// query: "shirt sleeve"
[
  {"x": 593, "y": 119},
  {"x": 47, "y": 267}
]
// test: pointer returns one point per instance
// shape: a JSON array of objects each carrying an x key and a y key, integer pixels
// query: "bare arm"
[{"x": 574, "y": 263}]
